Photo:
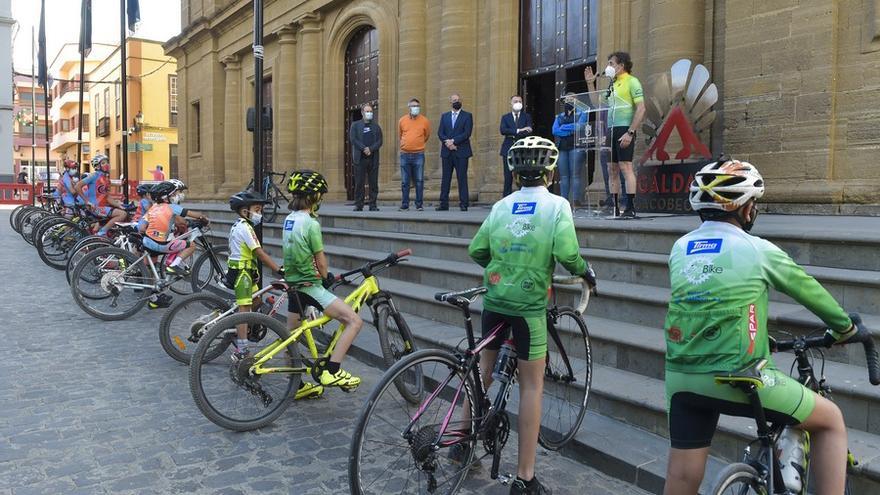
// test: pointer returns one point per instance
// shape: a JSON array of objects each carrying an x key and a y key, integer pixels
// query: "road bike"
[
  {"x": 273, "y": 194},
  {"x": 761, "y": 472},
  {"x": 252, "y": 392},
  {"x": 113, "y": 284},
  {"x": 403, "y": 447}
]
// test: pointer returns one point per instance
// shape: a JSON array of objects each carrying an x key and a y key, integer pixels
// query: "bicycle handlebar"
[
  {"x": 391, "y": 259},
  {"x": 585, "y": 289},
  {"x": 863, "y": 336}
]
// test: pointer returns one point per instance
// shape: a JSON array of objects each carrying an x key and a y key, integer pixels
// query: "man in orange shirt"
[{"x": 413, "y": 130}]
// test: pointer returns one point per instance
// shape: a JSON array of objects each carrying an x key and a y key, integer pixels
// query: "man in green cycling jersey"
[
  {"x": 717, "y": 322},
  {"x": 519, "y": 244}
]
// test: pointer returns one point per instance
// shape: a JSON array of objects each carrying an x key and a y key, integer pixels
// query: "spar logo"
[
  {"x": 753, "y": 328},
  {"x": 703, "y": 246}
]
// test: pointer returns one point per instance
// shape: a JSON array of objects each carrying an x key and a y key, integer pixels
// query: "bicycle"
[
  {"x": 126, "y": 278},
  {"x": 753, "y": 475},
  {"x": 186, "y": 322},
  {"x": 273, "y": 194},
  {"x": 252, "y": 392},
  {"x": 417, "y": 438}
]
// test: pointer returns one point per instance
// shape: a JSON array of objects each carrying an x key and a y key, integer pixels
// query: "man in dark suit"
[
  {"x": 514, "y": 126},
  {"x": 366, "y": 139},
  {"x": 455, "y": 150}
]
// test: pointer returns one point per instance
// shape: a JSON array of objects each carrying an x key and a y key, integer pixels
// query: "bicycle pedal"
[{"x": 505, "y": 478}]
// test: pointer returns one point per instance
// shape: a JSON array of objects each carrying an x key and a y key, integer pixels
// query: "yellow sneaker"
[
  {"x": 309, "y": 391},
  {"x": 341, "y": 379}
]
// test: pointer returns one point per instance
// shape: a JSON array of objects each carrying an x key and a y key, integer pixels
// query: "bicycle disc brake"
[
  {"x": 110, "y": 282},
  {"x": 241, "y": 376}
]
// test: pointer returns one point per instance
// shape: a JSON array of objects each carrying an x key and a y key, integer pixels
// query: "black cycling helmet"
[
  {"x": 306, "y": 183},
  {"x": 532, "y": 157},
  {"x": 244, "y": 199},
  {"x": 143, "y": 189},
  {"x": 162, "y": 190}
]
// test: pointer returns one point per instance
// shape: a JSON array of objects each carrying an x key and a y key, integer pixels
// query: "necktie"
[{"x": 454, "y": 117}]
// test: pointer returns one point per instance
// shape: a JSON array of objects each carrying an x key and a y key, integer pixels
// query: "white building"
[{"x": 6, "y": 23}]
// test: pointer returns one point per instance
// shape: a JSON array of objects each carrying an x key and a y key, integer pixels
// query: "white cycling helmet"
[
  {"x": 725, "y": 186},
  {"x": 532, "y": 157},
  {"x": 178, "y": 184}
]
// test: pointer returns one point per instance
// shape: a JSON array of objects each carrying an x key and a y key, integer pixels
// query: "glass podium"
[{"x": 593, "y": 138}]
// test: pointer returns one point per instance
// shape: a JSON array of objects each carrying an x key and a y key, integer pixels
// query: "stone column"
[
  {"x": 410, "y": 79},
  {"x": 675, "y": 31},
  {"x": 457, "y": 66},
  {"x": 235, "y": 172},
  {"x": 285, "y": 133},
  {"x": 310, "y": 117}
]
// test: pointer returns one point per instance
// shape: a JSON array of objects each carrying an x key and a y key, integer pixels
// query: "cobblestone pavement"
[{"x": 93, "y": 407}]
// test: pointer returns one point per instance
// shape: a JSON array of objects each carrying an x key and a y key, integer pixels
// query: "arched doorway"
[{"x": 361, "y": 87}]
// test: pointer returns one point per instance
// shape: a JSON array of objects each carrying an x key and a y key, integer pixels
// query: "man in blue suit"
[
  {"x": 455, "y": 150},
  {"x": 514, "y": 126}
]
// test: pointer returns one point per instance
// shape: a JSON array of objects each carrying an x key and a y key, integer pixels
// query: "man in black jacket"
[
  {"x": 366, "y": 139},
  {"x": 455, "y": 150},
  {"x": 514, "y": 126}
]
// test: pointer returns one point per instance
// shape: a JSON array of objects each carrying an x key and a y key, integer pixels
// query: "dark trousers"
[
  {"x": 366, "y": 169},
  {"x": 508, "y": 176},
  {"x": 460, "y": 165}
]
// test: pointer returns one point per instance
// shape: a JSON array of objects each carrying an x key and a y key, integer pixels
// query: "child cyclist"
[
  {"x": 243, "y": 275},
  {"x": 305, "y": 269},
  {"x": 144, "y": 203}
]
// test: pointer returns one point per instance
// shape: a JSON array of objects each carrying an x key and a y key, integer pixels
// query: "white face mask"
[
  {"x": 256, "y": 218},
  {"x": 368, "y": 115},
  {"x": 414, "y": 110},
  {"x": 609, "y": 71},
  {"x": 177, "y": 198},
  {"x": 517, "y": 107}
]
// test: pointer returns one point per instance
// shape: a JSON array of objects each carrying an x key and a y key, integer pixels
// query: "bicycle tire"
[
  {"x": 19, "y": 218},
  {"x": 396, "y": 342},
  {"x": 270, "y": 209},
  {"x": 14, "y": 213},
  {"x": 81, "y": 249},
  {"x": 129, "y": 260},
  {"x": 198, "y": 362},
  {"x": 29, "y": 224},
  {"x": 42, "y": 226},
  {"x": 64, "y": 235},
  {"x": 359, "y": 461},
  {"x": 738, "y": 473},
  {"x": 199, "y": 280},
  {"x": 566, "y": 388},
  {"x": 176, "y": 347}
]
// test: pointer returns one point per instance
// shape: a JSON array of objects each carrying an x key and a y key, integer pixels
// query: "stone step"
[{"x": 836, "y": 242}]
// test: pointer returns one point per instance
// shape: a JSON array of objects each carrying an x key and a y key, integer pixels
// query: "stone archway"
[{"x": 361, "y": 87}]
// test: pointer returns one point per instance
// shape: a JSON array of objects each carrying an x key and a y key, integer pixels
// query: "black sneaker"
[
  {"x": 459, "y": 452},
  {"x": 403, "y": 208},
  {"x": 442, "y": 208},
  {"x": 162, "y": 301},
  {"x": 374, "y": 208},
  {"x": 358, "y": 208},
  {"x": 419, "y": 208},
  {"x": 628, "y": 213},
  {"x": 534, "y": 487}
]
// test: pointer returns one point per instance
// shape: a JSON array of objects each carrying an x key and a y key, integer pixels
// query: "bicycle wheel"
[
  {"x": 13, "y": 215},
  {"x": 396, "y": 341},
  {"x": 270, "y": 209},
  {"x": 30, "y": 222},
  {"x": 567, "y": 378},
  {"x": 384, "y": 459},
  {"x": 82, "y": 248},
  {"x": 227, "y": 392},
  {"x": 203, "y": 272},
  {"x": 19, "y": 219},
  {"x": 56, "y": 241},
  {"x": 183, "y": 325},
  {"x": 182, "y": 285},
  {"x": 119, "y": 291},
  {"x": 738, "y": 479}
]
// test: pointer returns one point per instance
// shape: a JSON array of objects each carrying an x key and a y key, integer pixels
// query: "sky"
[{"x": 160, "y": 20}]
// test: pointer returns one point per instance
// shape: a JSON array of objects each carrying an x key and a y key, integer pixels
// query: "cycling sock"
[
  {"x": 529, "y": 483},
  {"x": 241, "y": 344},
  {"x": 332, "y": 367}
]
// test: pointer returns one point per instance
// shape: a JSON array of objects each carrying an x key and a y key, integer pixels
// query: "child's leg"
[{"x": 343, "y": 313}]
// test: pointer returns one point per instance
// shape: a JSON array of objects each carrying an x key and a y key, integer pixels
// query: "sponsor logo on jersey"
[
  {"x": 753, "y": 328},
  {"x": 703, "y": 246},
  {"x": 520, "y": 227},
  {"x": 288, "y": 224},
  {"x": 674, "y": 334},
  {"x": 494, "y": 278},
  {"x": 524, "y": 208}
]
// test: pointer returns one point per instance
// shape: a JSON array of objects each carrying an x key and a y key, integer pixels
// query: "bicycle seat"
[
  {"x": 460, "y": 298},
  {"x": 749, "y": 374},
  {"x": 280, "y": 285}
]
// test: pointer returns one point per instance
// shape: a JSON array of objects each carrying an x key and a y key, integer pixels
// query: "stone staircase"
[{"x": 624, "y": 434}]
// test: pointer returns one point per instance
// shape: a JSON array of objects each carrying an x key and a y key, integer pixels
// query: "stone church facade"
[{"x": 798, "y": 81}]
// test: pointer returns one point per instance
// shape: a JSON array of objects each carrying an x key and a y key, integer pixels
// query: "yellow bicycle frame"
[{"x": 367, "y": 289}]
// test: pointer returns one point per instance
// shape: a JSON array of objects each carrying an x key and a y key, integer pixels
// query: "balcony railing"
[{"x": 104, "y": 126}]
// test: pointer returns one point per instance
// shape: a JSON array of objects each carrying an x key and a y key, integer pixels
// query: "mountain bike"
[
  {"x": 754, "y": 474},
  {"x": 273, "y": 194},
  {"x": 399, "y": 444},
  {"x": 113, "y": 284},
  {"x": 252, "y": 392}
]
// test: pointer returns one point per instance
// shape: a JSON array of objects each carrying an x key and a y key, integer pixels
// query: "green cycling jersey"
[
  {"x": 519, "y": 244},
  {"x": 720, "y": 278}
]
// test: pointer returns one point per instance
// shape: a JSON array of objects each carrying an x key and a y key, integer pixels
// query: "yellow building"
[
  {"x": 797, "y": 81},
  {"x": 152, "y": 110}
]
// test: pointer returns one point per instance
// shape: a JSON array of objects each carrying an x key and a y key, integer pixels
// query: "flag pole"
[
  {"x": 124, "y": 79},
  {"x": 34, "y": 118},
  {"x": 82, "y": 78}
]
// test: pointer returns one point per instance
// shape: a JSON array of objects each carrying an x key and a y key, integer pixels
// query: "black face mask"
[
  {"x": 747, "y": 226},
  {"x": 456, "y": 105}
]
